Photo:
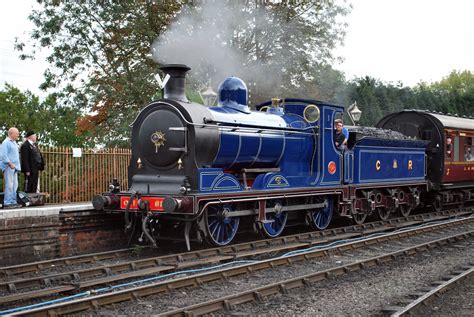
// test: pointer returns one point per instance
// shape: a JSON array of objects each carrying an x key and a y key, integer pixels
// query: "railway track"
[
  {"x": 424, "y": 296},
  {"x": 15, "y": 289},
  {"x": 42, "y": 267},
  {"x": 223, "y": 274}
]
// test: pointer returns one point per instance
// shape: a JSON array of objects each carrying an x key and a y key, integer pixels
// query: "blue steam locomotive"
[{"x": 209, "y": 172}]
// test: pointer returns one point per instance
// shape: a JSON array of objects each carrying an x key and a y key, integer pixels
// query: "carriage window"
[
  {"x": 456, "y": 148},
  {"x": 449, "y": 146},
  {"x": 468, "y": 149}
]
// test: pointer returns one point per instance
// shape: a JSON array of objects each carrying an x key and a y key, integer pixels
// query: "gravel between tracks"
[
  {"x": 368, "y": 292},
  {"x": 360, "y": 293},
  {"x": 457, "y": 301}
]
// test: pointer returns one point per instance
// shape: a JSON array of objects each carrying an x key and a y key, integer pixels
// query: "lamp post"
[
  {"x": 354, "y": 113},
  {"x": 208, "y": 96}
]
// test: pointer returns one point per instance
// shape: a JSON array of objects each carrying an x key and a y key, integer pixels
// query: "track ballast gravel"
[{"x": 364, "y": 292}]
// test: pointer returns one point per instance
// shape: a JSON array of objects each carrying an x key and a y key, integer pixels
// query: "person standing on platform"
[
  {"x": 31, "y": 162},
  {"x": 10, "y": 165}
]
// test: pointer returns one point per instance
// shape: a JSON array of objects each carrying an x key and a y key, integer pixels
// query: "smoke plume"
[{"x": 214, "y": 40}]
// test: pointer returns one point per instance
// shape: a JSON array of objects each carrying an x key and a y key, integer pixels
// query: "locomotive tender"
[{"x": 206, "y": 171}]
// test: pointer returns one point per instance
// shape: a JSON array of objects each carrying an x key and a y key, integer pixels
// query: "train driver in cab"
[{"x": 341, "y": 135}]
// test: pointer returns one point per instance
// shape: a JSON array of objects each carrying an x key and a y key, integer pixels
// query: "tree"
[
  {"x": 277, "y": 47},
  {"x": 364, "y": 91},
  {"x": 101, "y": 63},
  {"x": 454, "y": 94},
  {"x": 457, "y": 93},
  {"x": 100, "y": 58},
  {"x": 54, "y": 124}
]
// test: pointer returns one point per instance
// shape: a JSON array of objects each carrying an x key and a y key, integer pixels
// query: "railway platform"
[
  {"x": 46, "y": 210},
  {"x": 44, "y": 232}
]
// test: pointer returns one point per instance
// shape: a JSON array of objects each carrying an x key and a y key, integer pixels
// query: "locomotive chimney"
[{"x": 176, "y": 86}]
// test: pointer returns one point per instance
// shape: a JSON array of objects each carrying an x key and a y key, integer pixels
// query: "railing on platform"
[{"x": 76, "y": 179}]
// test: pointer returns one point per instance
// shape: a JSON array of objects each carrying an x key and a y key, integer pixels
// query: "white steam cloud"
[{"x": 211, "y": 39}]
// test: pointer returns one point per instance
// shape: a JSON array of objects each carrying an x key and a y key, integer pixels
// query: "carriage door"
[{"x": 348, "y": 166}]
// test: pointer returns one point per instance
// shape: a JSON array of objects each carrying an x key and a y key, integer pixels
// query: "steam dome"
[{"x": 233, "y": 94}]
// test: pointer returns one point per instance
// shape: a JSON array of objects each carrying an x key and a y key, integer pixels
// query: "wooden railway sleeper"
[
  {"x": 369, "y": 263},
  {"x": 107, "y": 271},
  {"x": 258, "y": 297},
  {"x": 188, "y": 313},
  {"x": 283, "y": 289},
  {"x": 431, "y": 246},
  {"x": 12, "y": 288},
  {"x": 228, "y": 305},
  {"x": 47, "y": 282}
]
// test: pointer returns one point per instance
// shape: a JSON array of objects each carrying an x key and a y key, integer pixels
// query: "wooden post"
[{"x": 67, "y": 175}]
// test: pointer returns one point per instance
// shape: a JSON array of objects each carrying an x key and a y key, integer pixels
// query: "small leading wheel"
[
  {"x": 221, "y": 228},
  {"x": 404, "y": 210},
  {"x": 359, "y": 218},
  {"x": 383, "y": 213},
  {"x": 321, "y": 217},
  {"x": 276, "y": 220}
]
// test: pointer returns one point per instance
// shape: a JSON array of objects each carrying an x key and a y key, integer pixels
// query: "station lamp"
[
  {"x": 354, "y": 113},
  {"x": 208, "y": 96}
]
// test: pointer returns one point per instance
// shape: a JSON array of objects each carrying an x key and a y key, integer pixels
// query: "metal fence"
[{"x": 74, "y": 178}]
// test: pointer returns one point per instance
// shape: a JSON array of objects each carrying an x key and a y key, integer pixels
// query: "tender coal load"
[{"x": 361, "y": 132}]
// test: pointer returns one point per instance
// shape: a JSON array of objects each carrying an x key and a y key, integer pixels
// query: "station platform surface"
[{"x": 46, "y": 210}]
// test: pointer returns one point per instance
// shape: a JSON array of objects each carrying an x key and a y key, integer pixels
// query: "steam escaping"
[{"x": 214, "y": 40}]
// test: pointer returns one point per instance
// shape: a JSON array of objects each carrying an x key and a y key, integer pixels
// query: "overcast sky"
[
  {"x": 409, "y": 40},
  {"x": 392, "y": 40}
]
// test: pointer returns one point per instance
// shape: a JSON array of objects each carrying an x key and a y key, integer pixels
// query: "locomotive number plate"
[{"x": 155, "y": 203}]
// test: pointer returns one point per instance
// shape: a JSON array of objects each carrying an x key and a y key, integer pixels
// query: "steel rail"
[
  {"x": 228, "y": 302},
  {"x": 74, "y": 280},
  {"x": 87, "y": 278},
  {"x": 223, "y": 274},
  {"x": 37, "y": 267},
  {"x": 12, "y": 270},
  {"x": 444, "y": 286}
]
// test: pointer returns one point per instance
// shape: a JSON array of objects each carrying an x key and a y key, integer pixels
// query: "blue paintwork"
[
  {"x": 306, "y": 159},
  {"x": 321, "y": 217},
  {"x": 394, "y": 157},
  {"x": 349, "y": 166},
  {"x": 330, "y": 155},
  {"x": 275, "y": 225},
  {"x": 256, "y": 148},
  {"x": 221, "y": 228},
  {"x": 215, "y": 180},
  {"x": 233, "y": 93},
  {"x": 270, "y": 181}
]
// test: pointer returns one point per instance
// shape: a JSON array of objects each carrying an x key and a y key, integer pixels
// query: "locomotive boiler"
[{"x": 205, "y": 171}]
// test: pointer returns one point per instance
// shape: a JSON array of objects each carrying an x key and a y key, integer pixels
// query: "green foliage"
[
  {"x": 100, "y": 61},
  {"x": 100, "y": 58},
  {"x": 454, "y": 94},
  {"x": 53, "y": 123},
  {"x": 137, "y": 250},
  {"x": 101, "y": 64}
]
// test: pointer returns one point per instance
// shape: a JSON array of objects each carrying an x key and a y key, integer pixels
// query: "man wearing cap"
[
  {"x": 31, "y": 162},
  {"x": 10, "y": 166}
]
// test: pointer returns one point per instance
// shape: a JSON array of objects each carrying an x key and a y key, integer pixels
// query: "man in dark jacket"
[{"x": 31, "y": 162}]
